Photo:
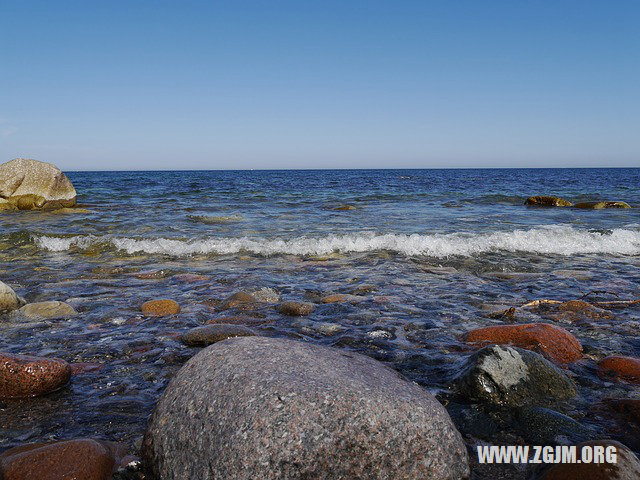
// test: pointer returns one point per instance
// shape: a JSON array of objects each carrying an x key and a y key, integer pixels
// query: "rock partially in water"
[
  {"x": 601, "y": 205},
  {"x": 25, "y": 376},
  {"x": 345, "y": 207},
  {"x": 296, "y": 309},
  {"x": 342, "y": 298},
  {"x": 47, "y": 310},
  {"x": 553, "y": 342},
  {"x": 27, "y": 184},
  {"x": 212, "y": 333},
  {"x": 214, "y": 220},
  {"x": 9, "y": 300},
  {"x": 512, "y": 377},
  {"x": 626, "y": 467},
  {"x": 190, "y": 278},
  {"x": 238, "y": 299},
  {"x": 160, "y": 308},
  {"x": 547, "y": 201},
  {"x": 541, "y": 426},
  {"x": 621, "y": 368},
  {"x": 84, "y": 458},
  {"x": 272, "y": 408},
  {"x": 266, "y": 295}
]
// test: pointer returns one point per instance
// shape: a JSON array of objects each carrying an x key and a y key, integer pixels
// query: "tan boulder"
[
  {"x": 27, "y": 184},
  {"x": 8, "y": 299}
]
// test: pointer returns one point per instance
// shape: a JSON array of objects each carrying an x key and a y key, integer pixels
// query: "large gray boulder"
[
  {"x": 509, "y": 376},
  {"x": 267, "y": 408},
  {"x": 9, "y": 300},
  {"x": 27, "y": 184}
]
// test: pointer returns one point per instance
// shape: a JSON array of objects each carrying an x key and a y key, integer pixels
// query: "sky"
[{"x": 173, "y": 85}]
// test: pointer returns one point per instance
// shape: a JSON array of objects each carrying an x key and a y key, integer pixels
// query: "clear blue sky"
[{"x": 325, "y": 84}]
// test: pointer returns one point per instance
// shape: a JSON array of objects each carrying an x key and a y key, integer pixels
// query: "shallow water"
[{"x": 430, "y": 253}]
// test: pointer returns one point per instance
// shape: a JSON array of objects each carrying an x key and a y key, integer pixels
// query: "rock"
[
  {"x": 575, "y": 306},
  {"x": 342, "y": 298},
  {"x": 547, "y": 201},
  {"x": 629, "y": 408},
  {"x": 47, "y": 310},
  {"x": 541, "y": 426},
  {"x": 296, "y": 309},
  {"x": 9, "y": 300},
  {"x": 553, "y": 342},
  {"x": 212, "y": 220},
  {"x": 27, "y": 184},
  {"x": 626, "y": 467},
  {"x": 345, "y": 207},
  {"x": 238, "y": 299},
  {"x": 272, "y": 409},
  {"x": 83, "y": 458},
  {"x": 512, "y": 377},
  {"x": 190, "y": 278},
  {"x": 266, "y": 295},
  {"x": 160, "y": 308},
  {"x": 24, "y": 376},
  {"x": 621, "y": 368},
  {"x": 237, "y": 320},
  {"x": 212, "y": 333},
  {"x": 601, "y": 205}
]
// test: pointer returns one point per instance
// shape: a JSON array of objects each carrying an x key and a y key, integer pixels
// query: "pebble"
[
  {"x": 621, "y": 368},
  {"x": 209, "y": 334},
  {"x": 553, "y": 342},
  {"x": 25, "y": 376},
  {"x": 296, "y": 309},
  {"x": 47, "y": 310},
  {"x": 160, "y": 308}
]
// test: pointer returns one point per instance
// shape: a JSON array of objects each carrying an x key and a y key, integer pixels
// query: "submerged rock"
[
  {"x": 160, "y": 308},
  {"x": 83, "y": 458},
  {"x": 512, "y": 377},
  {"x": 271, "y": 408},
  {"x": 24, "y": 376},
  {"x": 547, "y": 201},
  {"x": 47, "y": 310},
  {"x": 9, "y": 300},
  {"x": 541, "y": 426},
  {"x": 238, "y": 299},
  {"x": 27, "y": 184},
  {"x": 601, "y": 205},
  {"x": 216, "y": 332},
  {"x": 342, "y": 298},
  {"x": 296, "y": 309},
  {"x": 626, "y": 467},
  {"x": 621, "y": 368},
  {"x": 553, "y": 342},
  {"x": 345, "y": 207}
]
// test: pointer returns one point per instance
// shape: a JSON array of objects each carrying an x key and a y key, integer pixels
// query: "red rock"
[
  {"x": 553, "y": 342},
  {"x": 621, "y": 368},
  {"x": 626, "y": 466},
  {"x": 81, "y": 459},
  {"x": 160, "y": 308},
  {"x": 23, "y": 376}
]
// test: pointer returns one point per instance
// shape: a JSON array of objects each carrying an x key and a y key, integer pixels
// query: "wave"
[{"x": 558, "y": 240}]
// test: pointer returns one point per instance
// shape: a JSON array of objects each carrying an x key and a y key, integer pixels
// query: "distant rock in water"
[
  {"x": 547, "y": 201},
  {"x": 210, "y": 220},
  {"x": 9, "y": 300},
  {"x": 601, "y": 205},
  {"x": 47, "y": 310},
  {"x": 512, "y": 377},
  {"x": 269, "y": 408},
  {"x": 27, "y": 184}
]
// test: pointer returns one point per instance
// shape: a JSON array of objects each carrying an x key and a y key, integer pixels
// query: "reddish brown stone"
[
  {"x": 160, "y": 308},
  {"x": 85, "y": 367},
  {"x": 296, "y": 309},
  {"x": 151, "y": 275},
  {"x": 23, "y": 376},
  {"x": 342, "y": 298},
  {"x": 84, "y": 459},
  {"x": 553, "y": 342},
  {"x": 627, "y": 466},
  {"x": 621, "y": 368},
  {"x": 239, "y": 299}
]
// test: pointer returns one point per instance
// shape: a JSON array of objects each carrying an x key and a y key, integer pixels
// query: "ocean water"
[{"x": 429, "y": 253}]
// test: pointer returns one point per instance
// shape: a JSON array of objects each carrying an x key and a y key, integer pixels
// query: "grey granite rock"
[
  {"x": 9, "y": 300},
  {"x": 510, "y": 376},
  {"x": 267, "y": 408}
]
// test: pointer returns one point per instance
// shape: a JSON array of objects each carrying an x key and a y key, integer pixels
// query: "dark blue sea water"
[{"x": 429, "y": 255}]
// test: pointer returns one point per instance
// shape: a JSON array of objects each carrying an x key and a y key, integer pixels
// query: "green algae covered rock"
[{"x": 547, "y": 201}]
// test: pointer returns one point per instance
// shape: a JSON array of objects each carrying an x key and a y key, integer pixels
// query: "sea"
[{"x": 423, "y": 256}]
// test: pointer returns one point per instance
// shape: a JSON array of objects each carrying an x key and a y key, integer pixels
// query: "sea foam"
[{"x": 558, "y": 240}]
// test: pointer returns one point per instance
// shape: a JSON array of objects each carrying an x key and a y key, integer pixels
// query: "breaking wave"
[{"x": 558, "y": 240}]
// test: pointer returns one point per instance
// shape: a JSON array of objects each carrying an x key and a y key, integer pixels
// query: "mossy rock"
[
  {"x": 547, "y": 201},
  {"x": 601, "y": 205}
]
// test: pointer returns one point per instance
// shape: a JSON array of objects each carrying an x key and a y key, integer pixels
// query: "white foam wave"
[{"x": 560, "y": 240}]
